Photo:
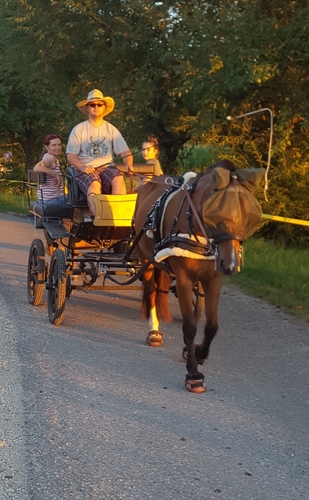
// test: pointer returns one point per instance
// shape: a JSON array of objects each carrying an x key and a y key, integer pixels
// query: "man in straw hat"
[{"x": 91, "y": 148}]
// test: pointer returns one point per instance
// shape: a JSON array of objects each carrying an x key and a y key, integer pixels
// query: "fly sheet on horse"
[{"x": 191, "y": 229}]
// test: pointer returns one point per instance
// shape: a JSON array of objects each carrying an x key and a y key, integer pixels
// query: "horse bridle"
[{"x": 211, "y": 242}]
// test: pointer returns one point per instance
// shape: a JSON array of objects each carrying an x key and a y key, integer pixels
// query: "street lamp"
[{"x": 230, "y": 118}]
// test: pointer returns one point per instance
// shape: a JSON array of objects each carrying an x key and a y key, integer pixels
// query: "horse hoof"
[
  {"x": 154, "y": 339},
  {"x": 196, "y": 386}
]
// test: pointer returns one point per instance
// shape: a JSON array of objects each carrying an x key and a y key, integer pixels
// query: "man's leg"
[
  {"x": 93, "y": 189},
  {"x": 112, "y": 181},
  {"x": 118, "y": 185}
]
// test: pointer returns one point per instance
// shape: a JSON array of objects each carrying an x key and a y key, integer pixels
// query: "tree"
[{"x": 175, "y": 69}]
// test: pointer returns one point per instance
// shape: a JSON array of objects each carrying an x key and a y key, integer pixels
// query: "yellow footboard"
[{"x": 114, "y": 209}]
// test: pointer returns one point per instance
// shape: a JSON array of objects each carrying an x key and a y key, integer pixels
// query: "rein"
[{"x": 196, "y": 215}]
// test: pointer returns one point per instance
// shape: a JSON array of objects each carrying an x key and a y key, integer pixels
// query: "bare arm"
[
  {"x": 78, "y": 164},
  {"x": 127, "y": 159},
  {"x": 46, "y": 166}
]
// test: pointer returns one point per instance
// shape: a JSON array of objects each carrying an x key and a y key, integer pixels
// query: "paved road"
[{"x": 88, "y": 411}]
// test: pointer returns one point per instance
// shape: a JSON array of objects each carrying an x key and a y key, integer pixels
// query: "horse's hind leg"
[{"x": 212, "y": 289}]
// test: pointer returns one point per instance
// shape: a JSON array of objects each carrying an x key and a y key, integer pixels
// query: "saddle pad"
[{"x": 180, "y": 252}]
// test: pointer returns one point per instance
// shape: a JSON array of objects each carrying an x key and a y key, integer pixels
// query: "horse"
[{"x": 191, "y": 229}]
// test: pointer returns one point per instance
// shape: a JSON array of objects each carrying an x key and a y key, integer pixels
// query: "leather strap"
[{"x": 196, "y": 215}]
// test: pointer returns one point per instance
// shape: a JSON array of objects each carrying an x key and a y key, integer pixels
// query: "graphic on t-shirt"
[{"x": 97, "y": 149}]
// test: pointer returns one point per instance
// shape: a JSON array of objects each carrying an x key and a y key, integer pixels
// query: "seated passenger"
[
  {"x": 50, "y": 188},
  {"x": 51, "y": 199},
  {"x": 150, "y": 152},
  {"x": 91, "y": 147}
]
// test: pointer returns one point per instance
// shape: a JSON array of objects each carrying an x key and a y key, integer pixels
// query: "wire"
[{"x": 230, "y": 118}]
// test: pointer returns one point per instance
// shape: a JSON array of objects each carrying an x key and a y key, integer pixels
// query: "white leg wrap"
[{"x": 153, "y": 319}]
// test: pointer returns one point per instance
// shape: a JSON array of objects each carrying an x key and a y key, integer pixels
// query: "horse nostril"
[{"x": 230, "y": 269}]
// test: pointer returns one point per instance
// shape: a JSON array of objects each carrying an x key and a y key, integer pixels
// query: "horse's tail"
[
  {"x": 158, "y": 288},
  {"x": 163, "y": 282}
]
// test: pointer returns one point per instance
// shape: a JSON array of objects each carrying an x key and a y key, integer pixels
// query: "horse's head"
[{"x": 231, "y": 213}]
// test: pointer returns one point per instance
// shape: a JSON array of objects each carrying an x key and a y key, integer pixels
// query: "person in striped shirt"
[
  {"x": 51, "y": 183},
  {"x": 51, "y": 199}
]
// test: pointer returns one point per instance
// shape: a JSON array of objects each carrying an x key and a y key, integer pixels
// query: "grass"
[
  {"x": 13, "y": 203},
  {"x": 279, "y": 276}
]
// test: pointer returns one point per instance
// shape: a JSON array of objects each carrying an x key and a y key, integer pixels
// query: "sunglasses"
[
  {"x": 51, "y": 137},
  {"x": 94, "y": 105}
]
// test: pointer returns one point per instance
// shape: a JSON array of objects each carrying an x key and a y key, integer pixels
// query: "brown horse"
[{"x": 191, "y": 229}]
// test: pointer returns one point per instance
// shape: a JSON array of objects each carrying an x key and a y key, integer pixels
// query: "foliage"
[{"x": 175, "y": 69}]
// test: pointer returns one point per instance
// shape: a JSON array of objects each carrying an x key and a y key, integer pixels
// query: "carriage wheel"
[
  {"x": 198, "y": 300},
  {"x": 68, "y": 289},
  {"x": 36, "y": 272},
  {"x": 57, "y": 287}
]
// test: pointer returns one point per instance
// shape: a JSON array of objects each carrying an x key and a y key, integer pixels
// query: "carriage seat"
[
  {"x": 75, "y": 197},
  {"x": 56, "y": 208}
]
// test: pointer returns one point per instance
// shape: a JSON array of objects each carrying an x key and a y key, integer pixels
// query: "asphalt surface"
[{"x": 88, "y": 411}]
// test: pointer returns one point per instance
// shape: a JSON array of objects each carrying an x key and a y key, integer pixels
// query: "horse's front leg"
[
  {"x": 212, "y": 288},
  {"x": 194, "y": 379},
  {"x": 149, "y": 310}
]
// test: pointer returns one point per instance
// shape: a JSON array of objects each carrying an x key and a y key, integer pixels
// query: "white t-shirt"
[{"x": 96, "y": 145}]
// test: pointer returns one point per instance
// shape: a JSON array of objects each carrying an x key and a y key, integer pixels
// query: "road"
[{"x": 88, "y": 411}]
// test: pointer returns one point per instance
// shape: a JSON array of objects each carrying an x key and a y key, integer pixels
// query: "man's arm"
[
  {"x": 127, "y": 159},
  {"x": 78, "y": 164}
]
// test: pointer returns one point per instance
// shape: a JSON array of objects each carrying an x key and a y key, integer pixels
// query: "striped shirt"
[{"x": 50, "y": 189}]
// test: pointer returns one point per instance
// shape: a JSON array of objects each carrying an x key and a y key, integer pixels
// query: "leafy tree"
[
  {"x": 257, "y": 57},
  {"x": 175, "y": 69}
]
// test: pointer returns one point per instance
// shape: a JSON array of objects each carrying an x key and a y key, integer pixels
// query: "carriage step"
[{"x": 56, "y": 230}]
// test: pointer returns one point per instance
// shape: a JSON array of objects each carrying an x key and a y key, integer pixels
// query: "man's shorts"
[{"x": 103, "y": 174}]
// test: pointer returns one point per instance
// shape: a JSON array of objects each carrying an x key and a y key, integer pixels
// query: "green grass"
[
  {"x": 277, "y": 275},
  {"x": 13, "y": 203}
]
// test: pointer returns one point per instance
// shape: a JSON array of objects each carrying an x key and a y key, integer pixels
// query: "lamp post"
[{"x": 230, "y": 118}]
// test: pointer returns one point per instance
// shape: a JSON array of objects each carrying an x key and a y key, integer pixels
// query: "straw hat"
[{"x": 96, "y": 95}]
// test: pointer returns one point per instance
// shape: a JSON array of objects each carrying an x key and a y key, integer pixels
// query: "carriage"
[
  {"x": 98, "y": 255},
  {"x": 178, "y": 234}
]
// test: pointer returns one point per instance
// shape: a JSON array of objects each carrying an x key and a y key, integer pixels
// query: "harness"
[{"x": 189, "y": 242}]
